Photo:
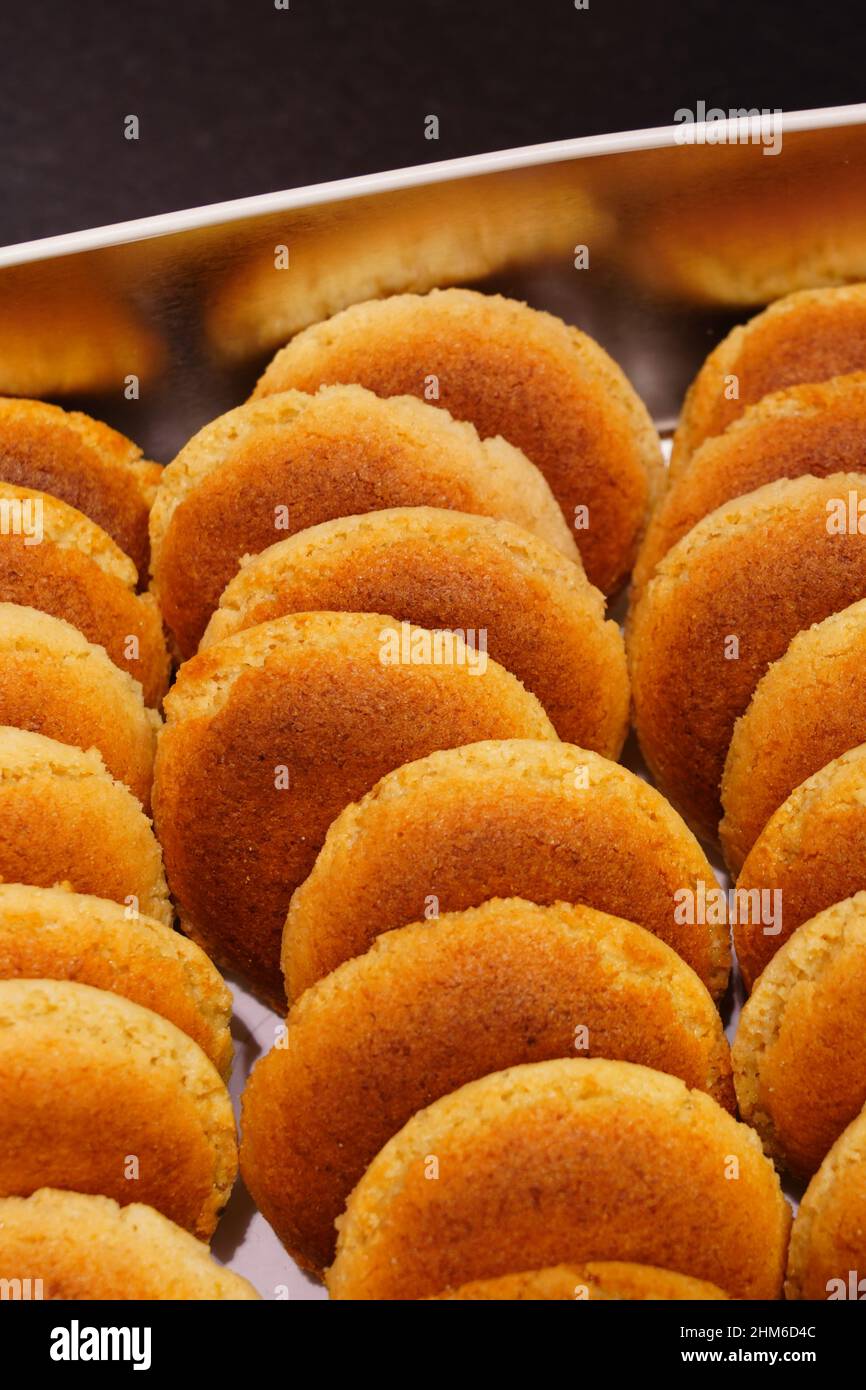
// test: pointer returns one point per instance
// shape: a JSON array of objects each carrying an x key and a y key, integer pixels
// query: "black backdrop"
[{"x": 235, "y": 97}]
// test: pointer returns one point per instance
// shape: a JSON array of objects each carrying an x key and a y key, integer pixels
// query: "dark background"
[{"x": 235, "y": 97}]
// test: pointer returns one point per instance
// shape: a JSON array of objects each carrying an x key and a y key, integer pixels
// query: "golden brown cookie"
[
  {"x": 100, "y": 1095},
  {"x": 277, "y": 466},
  {"x": 598, "y": 1281},
  {"x": 810, "y": 854},
  {"x": 817, "y": 429},
  {"x": 827, "y": 1255},
  {"x": 809, "y": 707},
  {"x": 549, "y": 1163},
  {"x": 724, "y": 603},
  {"x": 513, "y": 371},
  {"x": 56, "y": 559},
  {"x": 800, "y": 1051},
  {"x": 63, "y": 820},
  {"x": 83, "y": 462},
  {"x": 546, "y": 822},
  {"x": 54, "y": 682},
  {"x": 439, "y": 1003},
  {"x": 808, "y": 336},
  {"x": 268, "y": 736},
  {"x": 47, "y": 1242},
  {"x": 541, "y": 618},
  {"x": 49, "y": 934}
]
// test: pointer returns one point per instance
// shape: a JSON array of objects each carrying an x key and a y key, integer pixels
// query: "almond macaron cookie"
[
  {"x": 540, "y": 617},
  {"x": 513, "y": 371},
  {"x": 54, "y": 682},
  {"x": 817, "y": 429},
  {"x": 827, "y": 1254},
  {"x": 373, "y": 1042},
  {"x": 552, "y": 1162},
  {"x": 723, "y": 604},
  {"x": 56, "y": 559},
  {"x": 277, "y": 466},
  {"x": 808, "y": 336},
  {"x": 48, "y": 1242},
  {"x": 807, "y": 709},
  {"x": 598, "y": 1281},
  {"x": 800, "y": 1050},
  {"x": 514, "y": 818},
  {"x": 100, "y": 1095},
  {"x": 83, "y": 462},
  {"x": 271, "y": 732},
  {"x": 810, "y": 854},
  {"x": 51, "y": 934},
  {"x": 65, "y": 821}
]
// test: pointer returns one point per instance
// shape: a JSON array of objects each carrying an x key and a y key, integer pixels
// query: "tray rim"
[{"x": 166, "y": 224}]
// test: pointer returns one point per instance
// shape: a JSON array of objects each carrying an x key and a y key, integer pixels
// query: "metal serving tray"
[{"x": 161, "y": 324}]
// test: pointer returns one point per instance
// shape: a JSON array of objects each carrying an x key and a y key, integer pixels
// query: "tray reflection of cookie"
[
  {"x": 516, "y": 818},
  {"x": 277, "y": 466},
  {"x": 375, "y": 1041},
  {"x": 541, "y": 618},
  {"x": 51, "y": 1238},
  {"x": 544, "y": 1164},
  {"x": 270, "y": 733},
  {"x": 98, "y": 1094},
  {"x": 513, "y": 371}
]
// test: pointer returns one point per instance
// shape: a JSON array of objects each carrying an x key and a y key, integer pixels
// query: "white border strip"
[{"x": 416, "y": 176}]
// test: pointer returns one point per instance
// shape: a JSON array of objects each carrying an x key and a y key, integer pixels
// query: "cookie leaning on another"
[
  {"x": 513, "y": 371},
  {"x": 50, "y": 1239},
  {"x": 827, "y": 1254},
  {"x": 536, "y": 612},
  {"x": 547, "y": 1163},
  {"x": 100, "y": 1095},
  {"x": 64, "y": 820},
  {"x": 270, "y": 733},
  {"x": 54, "y": 682},
  {"x": 46, "y": 933},
  {"x": 297, "y": 460},
  {"x": 434, "y": 1005}
]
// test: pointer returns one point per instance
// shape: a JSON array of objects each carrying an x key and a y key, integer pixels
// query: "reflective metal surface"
[{"x": 681, "y": 242}]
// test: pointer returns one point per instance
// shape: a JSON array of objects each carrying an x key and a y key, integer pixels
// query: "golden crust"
[
  {"x": 50, "y": 1237},
  {"x": 755, "y": 571},
  {"x": 513, "y": 371},
  {"x": 807, "y": 709},
  {"x": 500, "y": 819},
  {"x": 564, "y": 1161},
  {"x": 817, "y": 429},
  {"x": 439, "y": 1003},
  {"x": 63, "y": 820},
  {"x": 270, "y": 734},
  {"x": 298, "y": 460},
  {"x": 54, "y": 682},
  {"x": 98, "y": 1094},
  {"x": 542, "y": 618},
  {"x": 598, "y": 1281},
  {"x": 812, "y": 851},
  {"x": 827, "y": 1254},
  {"x": 51, "y": 934},
  {"x": 84, "y": 463},
  {"x": 806, "y": 337},
  {"x": 800, "y": 1051},
  {"x": 66, "y": 565}
]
